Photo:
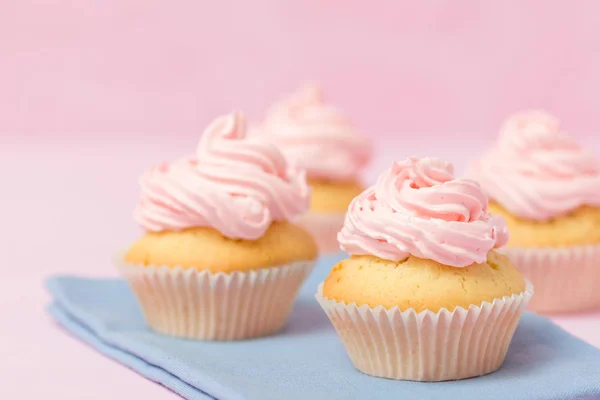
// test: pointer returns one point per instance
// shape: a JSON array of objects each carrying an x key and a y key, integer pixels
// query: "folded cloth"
[{"x": 307, "y": 360}]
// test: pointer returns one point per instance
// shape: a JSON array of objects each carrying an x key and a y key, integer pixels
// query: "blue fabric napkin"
[{"x": 307, "y": 360}]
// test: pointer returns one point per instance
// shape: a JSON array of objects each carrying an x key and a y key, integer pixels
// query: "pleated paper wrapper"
[
  {"x": 216, "y": 306},
  {"x": 566, "y": 279},
  {"x": 324, "y": 228},
  {"x": 427, "y": 346}
]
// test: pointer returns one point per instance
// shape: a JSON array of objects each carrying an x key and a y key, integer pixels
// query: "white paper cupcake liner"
[
  {"x": 427, "y": 346},
  {"x": 216, "y": 306},
  {"x": 324, "y": 228},
  {"x": 566, "y": 279}
]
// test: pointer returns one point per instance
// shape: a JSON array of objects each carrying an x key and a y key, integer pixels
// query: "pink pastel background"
[
  {"x": 108, "y": 67},
  {"x": 92, "y": 92}
]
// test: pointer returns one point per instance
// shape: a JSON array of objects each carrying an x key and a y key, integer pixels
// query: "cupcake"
[
  {"x": 319, "y": 139},
  {"x": 547, "y": 188},
  {"x": 424, "y": 296},
  {"x": 220, "y": 259}
]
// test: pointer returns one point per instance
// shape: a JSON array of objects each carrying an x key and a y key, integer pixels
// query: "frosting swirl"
[
  {"x": 317, "y": 137},
  {"x": 536, "y": 171},
  {"x": 236, "y": 185},
  {"x": 418, "y": 208}
]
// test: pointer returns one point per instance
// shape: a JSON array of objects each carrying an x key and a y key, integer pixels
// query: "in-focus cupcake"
[
  {"x": 424, "y": 296},
  {"x": 220, "y": 259},
  {"x": 547, "y": 188},
  {"x": 320, "y": 139}
]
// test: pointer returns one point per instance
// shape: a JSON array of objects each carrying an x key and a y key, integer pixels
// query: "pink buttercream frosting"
[
  {"x": 537, "y": 171},
  {"x": 418, "y": 208},
  {"x": 236, "y": 185},
  {"x": 317, "y": 137}
]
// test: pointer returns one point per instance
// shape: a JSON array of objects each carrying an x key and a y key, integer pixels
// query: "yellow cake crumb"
[
  {"x": 333, "y": 196},
  {"x": 580, "y": 227},
  {"x": 208, "y": 249},
  {"x": 421, "y": 284}
]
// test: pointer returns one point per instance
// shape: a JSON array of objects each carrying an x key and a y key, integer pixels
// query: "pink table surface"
[{"x": 68, "y": 205}]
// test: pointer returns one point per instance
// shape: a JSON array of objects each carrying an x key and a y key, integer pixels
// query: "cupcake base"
[
  {"x": 427, "y": 346},
  {"x": 324, "y": 228},
  {"x": 566, "y": 279},
  {"x": 216, "y": 306}
]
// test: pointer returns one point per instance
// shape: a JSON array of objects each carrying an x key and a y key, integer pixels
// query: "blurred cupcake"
[
  {"x": 547, "y": 188},
  {"x": 423, "y": 295},
  {"x": 318, "y": 138},
  {"x": 220, "y": 259}
]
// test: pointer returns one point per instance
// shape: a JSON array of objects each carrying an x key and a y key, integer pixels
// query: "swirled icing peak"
[
  {"x": 418, "y": 208},
  {"x": 317, "y": 137},
  {"x": 236, "y": 185},
  {"x": 537, "y": 171}
]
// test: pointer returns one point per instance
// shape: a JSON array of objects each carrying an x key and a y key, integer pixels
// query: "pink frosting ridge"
[
  {"x": 537, "y": 171},
  {"x": 317, "y": 137},
  {"x": 418, "y": 208},
  {"x": 236, "y": 185}
]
